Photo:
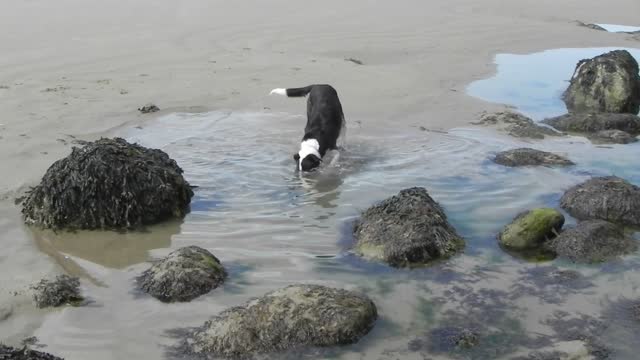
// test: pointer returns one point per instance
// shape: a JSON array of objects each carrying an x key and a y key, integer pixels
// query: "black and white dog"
[{"x": 325, "y": 123}]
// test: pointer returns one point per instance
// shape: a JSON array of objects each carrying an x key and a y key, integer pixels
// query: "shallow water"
[
  {"x": 619, "y": 28},
  {"x": 534, "y": 83},
  {"x": 272, "y": 227}
]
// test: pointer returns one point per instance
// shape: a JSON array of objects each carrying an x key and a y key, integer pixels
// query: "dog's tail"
[{"x": 293, "y": 92}]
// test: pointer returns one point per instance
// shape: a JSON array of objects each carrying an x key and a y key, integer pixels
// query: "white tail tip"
[{"x": 279, "y": 91}]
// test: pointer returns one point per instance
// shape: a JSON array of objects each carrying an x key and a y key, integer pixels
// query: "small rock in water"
[
  {"x": 595, "y": 122},
  {"x": 109, "y": 184},
  {"x": 593, "y": 241},
  {"x": 612, "y": 137},
  {"x": 183, "y": 275},
  {"x": 517, "y": 125},
  {"x": 591, "y": 26},
  {"x": 408, "y": 229},
  {"x": 530, "y": 157},
  {"x": 294, "y": 317},
  {"x": 531, "y": 229},
  {"x": 149, "y": 108},
  {"x": 605, "y": 83},
  {"x": 607, "y": 198},
  {"x": 9, "y": 353},
  {"x": 64, "y": 290}
]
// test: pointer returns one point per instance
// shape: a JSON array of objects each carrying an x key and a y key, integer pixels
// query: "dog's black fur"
[{"x": 325, "y": 121}]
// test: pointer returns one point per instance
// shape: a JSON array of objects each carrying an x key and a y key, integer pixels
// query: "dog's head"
[{"x": 308, "y": 163}]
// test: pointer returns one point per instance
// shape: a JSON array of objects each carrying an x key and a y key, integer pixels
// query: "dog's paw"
[{"x": 279, "y": 91}]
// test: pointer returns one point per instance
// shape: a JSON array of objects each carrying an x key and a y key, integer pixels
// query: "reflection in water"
[
  {"x": 535, "y": 82},
  {"x": 110, "y": 249},
  {"x": 272, "y": 226}
]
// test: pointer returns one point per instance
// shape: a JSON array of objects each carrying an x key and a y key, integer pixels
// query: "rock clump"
[
  {"x": 408, "y": 229},
  {"x": 530, "y": 157},
  {"x": 109, "y": 184}
]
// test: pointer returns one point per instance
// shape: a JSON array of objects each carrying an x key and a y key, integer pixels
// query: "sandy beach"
[{"x": 80, "y": 69}]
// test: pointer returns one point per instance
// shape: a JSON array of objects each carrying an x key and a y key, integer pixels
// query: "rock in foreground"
[
  {"x": 9, "y": 353},
  {"x": 64, "y": 290},
  {"x": 530, "y": 157},
  {"x": 183, "y": 275},
  {"x": 531, "y": 229},
  {"x": 605, "y": 83},
  {"x": 286, "y": 319},
  {"x": 612, "y": 137},
  {"x": 407, "y": 229},
  {"x": 517, "y": 125},
  {"x": 593, "y": 241},
  {"x": 109, "y": 184},
  {"x": 594, "y": 122},
  {"x": 607, "y": 198}
]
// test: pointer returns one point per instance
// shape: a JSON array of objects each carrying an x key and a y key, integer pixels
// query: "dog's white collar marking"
[
  {"x": 279, "y": 91},
  {"x": 307, "y": 147}
]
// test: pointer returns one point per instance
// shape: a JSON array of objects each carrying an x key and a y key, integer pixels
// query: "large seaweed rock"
[
  {"x": 593, "y": 241},
  {"x": 291, "y": 318},
  {"x": 109, "y": 184},
  {"x": 9, "y": 353},
  {"x": 612, "y": 137},
  {"x": 605, "y": 83},
  {"x": 183, "y": 275},
  {"x": 407, "y": 229},
  {"x": 594, "y": 122},
  {"x": 607, "y": 198},
  {"x": 531, "y": 229},
  {"x": 530, "y": 157},
  {"x": 516, "y": 125},
  {"x": 64, "y": 290}
]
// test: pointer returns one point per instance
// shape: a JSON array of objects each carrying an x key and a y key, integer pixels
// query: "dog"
[{"x": 325, "y": 123}]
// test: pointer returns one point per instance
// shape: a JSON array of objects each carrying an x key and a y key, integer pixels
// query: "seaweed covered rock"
[
  {"x": 294, "y": 317},
  {"x": 64, "y": 290},
  {"x": 593, "y": 241},
  {"x": 531, "y": 229},
  {"x": 612, "y": 137},
  {"x": 594, "y": 122},
  {"x": 183, "y": 275},
  {"x": 607, "y": 198},
  {"x": 109, "y": 184},
  {"x": 605, "y": 83},
  {"x": 405, "y": 230},
  {"x": 517, "y": 125},
  {"x": 149, "y": 108},
  {"x": 10, "y": 353},
  {"x": 530, "y": 157}
]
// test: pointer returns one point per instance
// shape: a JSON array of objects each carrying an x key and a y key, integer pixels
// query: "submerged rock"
[
  {"x": 530, "y": 157},
  {"x": 286, "y": 319},
  {"x": 9, "y": 353},
  {"x": 149, "y": 108},
  {"x": 565, "y": 350},
  {"x": 405, "y": 230},
  {"x": 109, "y": 184},
  {"x": 605, "y": 83},
  {"x": 594, "y": 122},
  {"x": 517, "y": 125},
  {"x": 593, "y": 241},
  {"x": 607, "y": 198},
  {"x": 183, "y": 275},
  {"x": 612, "y": 137},
  {"x": 531, "y": 229},
  {"x": 64, "y": 290},
  {"x": 591, "y": 26}
]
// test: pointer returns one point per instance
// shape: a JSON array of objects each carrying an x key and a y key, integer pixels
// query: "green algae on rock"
[
  {"x": 408, "y": 229},
  {"x": 531, "y": 229},
  {"x": 290, "y": 318},
  {"x": 64, "y": 290},
  {"x": 108, "y": 184},
  {"x": 183, "y": 275},
  {"x": 605, "y": 83}
]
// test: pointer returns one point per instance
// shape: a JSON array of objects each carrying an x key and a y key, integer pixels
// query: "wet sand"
[{"x": 80, "y": 69}]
